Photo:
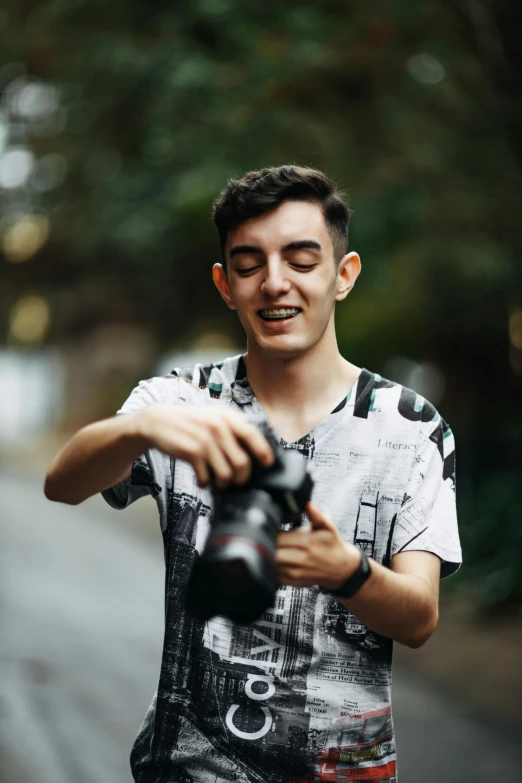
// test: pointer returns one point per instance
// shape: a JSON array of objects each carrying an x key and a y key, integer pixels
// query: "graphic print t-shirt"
[{"x": 304, "y": 693}]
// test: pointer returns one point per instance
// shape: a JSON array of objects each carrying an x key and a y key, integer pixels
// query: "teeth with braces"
[{"x": 278, "y": 313}]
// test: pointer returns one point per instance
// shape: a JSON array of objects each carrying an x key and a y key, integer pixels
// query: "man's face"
[{"x": 283, "y": 280}]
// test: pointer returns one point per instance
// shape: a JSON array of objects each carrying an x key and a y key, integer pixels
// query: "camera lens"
[
  {"x": 232, "y": 576},
  {"x": 236, "y": 574}
]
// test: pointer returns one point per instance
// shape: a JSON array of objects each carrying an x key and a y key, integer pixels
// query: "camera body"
[{"x": 236, "y": 575}]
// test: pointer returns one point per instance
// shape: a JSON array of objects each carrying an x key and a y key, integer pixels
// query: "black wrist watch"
[{"x": 356, "y": 580}]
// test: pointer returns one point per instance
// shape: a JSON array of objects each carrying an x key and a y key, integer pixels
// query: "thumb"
[{"x": 318, "y": 519}]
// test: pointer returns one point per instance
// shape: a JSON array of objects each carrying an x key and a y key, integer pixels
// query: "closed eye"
[
  {"x": 304, "y": 267},
  {"x": 246, "y": 271}
]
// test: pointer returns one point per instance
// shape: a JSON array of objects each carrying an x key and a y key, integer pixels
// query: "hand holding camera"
[
  {"x": 219, "y": 443},
  {"x": 317, "y": 556}
]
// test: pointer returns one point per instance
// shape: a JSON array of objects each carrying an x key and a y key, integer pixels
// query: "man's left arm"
[{"x": 401, "y": 603}]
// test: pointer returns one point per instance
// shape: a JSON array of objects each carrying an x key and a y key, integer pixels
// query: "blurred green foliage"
[
  {"x": 493, "y": 542},
  {"x": 413, "y": 108}
]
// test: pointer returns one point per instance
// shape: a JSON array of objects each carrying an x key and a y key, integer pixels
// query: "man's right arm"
[
  {"x": 97, "y": 457},
  {"x": 217, "y": 442}
]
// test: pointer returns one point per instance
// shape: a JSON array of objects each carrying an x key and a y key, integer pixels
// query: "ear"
[
  {"x": 220, "y": 278},
  {"x": 347, "y": 273}
]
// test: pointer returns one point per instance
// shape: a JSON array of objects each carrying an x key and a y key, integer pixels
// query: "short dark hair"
[{"x": 258, "y": 192}]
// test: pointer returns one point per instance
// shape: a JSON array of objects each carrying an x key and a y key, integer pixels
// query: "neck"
[{"x": 298, "y": 382}]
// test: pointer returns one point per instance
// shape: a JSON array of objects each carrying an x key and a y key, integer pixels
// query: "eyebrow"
[{"x": 300, "y": 244}]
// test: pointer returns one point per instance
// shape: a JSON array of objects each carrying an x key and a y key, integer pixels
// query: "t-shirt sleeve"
[
  {"x": 148, "y": 470},
  {"x": 427, "y": 519}
]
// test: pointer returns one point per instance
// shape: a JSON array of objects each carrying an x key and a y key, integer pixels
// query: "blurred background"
[{"x": 119, "y": 125}]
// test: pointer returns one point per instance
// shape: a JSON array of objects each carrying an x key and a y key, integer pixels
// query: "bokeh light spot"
[
  {"x": 16, "y": 165},
  {"x": 33, "y": 100},
  {"x": 24, "y": 236},
  {"x": 4, "y": 131},
  {"x": 425, "y": 68},
  {"x": 29, "y": 320},
  {"x": 515, "y": 329}
]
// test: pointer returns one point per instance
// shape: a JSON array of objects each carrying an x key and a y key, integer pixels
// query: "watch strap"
[{"x": 356, "y": 580}]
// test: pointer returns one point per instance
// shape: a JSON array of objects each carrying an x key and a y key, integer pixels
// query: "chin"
[{"x": 277, "y": 348}]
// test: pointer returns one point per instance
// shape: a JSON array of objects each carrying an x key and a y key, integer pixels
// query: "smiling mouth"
[{"x": 279, "y": 314}]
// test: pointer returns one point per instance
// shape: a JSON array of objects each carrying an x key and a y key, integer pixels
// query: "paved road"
[{"x": 81, "y": 633}]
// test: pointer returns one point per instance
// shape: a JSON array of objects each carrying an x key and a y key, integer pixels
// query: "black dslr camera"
[{"x": 236, "y": 576}]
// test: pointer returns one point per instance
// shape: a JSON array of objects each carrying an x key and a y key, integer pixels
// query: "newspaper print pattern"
[{"x": 304, "y": 693}]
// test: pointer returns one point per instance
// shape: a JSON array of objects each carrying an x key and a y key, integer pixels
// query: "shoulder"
[
  {"x": 205, "y": 381},
  {"x": 159, "y": 388},
  {"x": 193, "y": 384},
  {"x": 399, "y": 406}
]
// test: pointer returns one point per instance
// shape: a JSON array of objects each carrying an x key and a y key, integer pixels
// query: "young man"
[{"x": 304, "y": 693}]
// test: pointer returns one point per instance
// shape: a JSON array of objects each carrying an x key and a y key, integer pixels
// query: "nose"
[{"x": 275, "y": 281}]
